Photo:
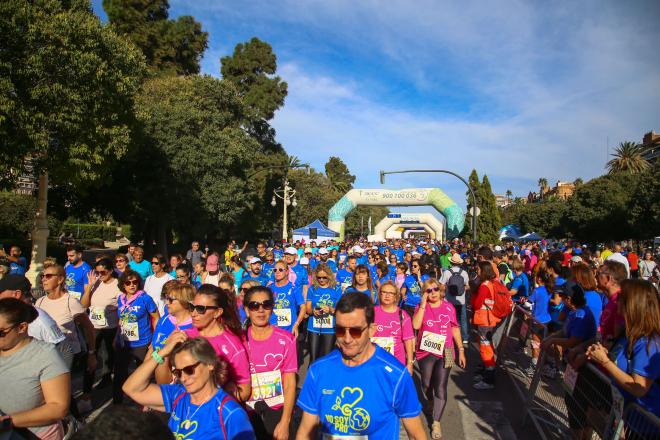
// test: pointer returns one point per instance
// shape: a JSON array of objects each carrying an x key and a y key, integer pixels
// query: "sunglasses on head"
[
  {"x": 202, "y": 309},
  {"x": 6, "y": 331},
  {"x": 432, "y": 289},
  {"x": 131, "y": 283},
  {"x": 268, "y": 304},
  {"x": 355, "y": 332},
  {"x": 188, "y": 371}
]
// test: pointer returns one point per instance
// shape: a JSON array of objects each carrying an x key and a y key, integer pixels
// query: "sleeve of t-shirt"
[
  {"x": 406, "y": 404},
  {"x": 408, "y": 332},
  {"x": 297, "y": 293},
  {"x": 304, "y": 280},
  {"x": 170, "y": 392},
  {"x": 241, "y": 367},
  {"x": 290, "y": 364},
  {"x": 308, "y": 399},
  {"x": 150, "y": 304},
  {"x": 452, "y": 319},
  {"x": 515, "y": 285},
  {"x": 237, "y": 423},
  {"x": 51, "y": 363},
  {"x": 643, "y": 363}
]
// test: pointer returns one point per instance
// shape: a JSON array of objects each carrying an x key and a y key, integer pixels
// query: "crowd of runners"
[{"x": 307, "y": 339}]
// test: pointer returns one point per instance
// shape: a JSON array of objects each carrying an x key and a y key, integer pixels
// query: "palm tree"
[
  {"x": 627, "y": 159},
  {"x": 578, "y": 182},
  {"x": 508, "y": 195},
  {"x": 543, "y": 184}
]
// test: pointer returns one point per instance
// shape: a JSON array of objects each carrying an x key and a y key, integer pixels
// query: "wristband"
[{"x": 157, "y": 357}]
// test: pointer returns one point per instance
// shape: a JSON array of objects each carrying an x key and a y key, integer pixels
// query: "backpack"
[
  {"x": 503, "y": 304},
  {"x": 456, "y": 283}
]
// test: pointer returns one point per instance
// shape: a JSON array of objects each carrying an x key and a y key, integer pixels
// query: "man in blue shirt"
[
  {"x": 359, "y": 255},
  {"x": 324, "y": 255},
  {"x": 358, "y": 390},
  {"x": 302, "y": 278},
  {"x": 76, "y": 272},
  {"x": 254, "y": 272},
  {"x": 345, "y": 276},
  {"x": 17, "y": 264}
]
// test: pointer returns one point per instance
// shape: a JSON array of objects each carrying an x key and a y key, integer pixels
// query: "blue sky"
[{"x": 517, "y": 89}]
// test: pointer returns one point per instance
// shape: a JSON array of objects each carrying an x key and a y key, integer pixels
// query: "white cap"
[
  {"x": 291, "y": 251},
  {"x": 374, "y": 247},
  {"x": 304, "y": 260},
  {"x": 323, "y": 251},
  {"x": 422, "y": 242},
  {"x": 415, "y": 253},
  {"x": 254, "y": 260},
  {"x": 408, "y": 245},
  {"x": 576, "y": 259},
  {"x": 498, "y": 248},
  {"x": 358, "y": 249}
]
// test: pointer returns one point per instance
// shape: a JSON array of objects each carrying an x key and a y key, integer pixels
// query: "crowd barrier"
[{"x": 561, "y": 402}]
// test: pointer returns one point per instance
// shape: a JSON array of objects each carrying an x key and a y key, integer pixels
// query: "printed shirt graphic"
[
  {"x": 267, "y": 270},
  {"x": 438, "y": 320},
  {"x": 344, "y": 278},
  {"x": 366, "y": 400},
  {"x": 205, "y": 424},
  {"x": 302, "y": 278},
  {"x": 164, "y": 328},
  {"x": 399, "y": 328},
  {"x": 288, "y": 299},
  {"x": 136, "y": 312},
  {"x": 323, "y": 296},
  {"x": 76, "y": 278},
  {"x": 275, "y": 354},
  {"x": 413, "y": 290}
]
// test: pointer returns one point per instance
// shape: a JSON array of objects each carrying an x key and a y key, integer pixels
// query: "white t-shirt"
[
  {"x": 444, "y": 279},
  {"x": 44, "y": 328},
  {"x": 617, "y": 256},
  {"x": 64, "y": 310},
  {"x": 103, "y": 305},
  {"x": 154, "y": 287}
]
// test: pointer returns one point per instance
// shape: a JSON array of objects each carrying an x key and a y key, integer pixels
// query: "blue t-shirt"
[
  {"x": 372, "y": 271},
  {"x": 413, "y": 290},
  {"x": 555, "y": 311},
  {"x": 399, "y": 254},
  {"x": 332, "y": 265},
  {"x": 595, "y": 303},
  {"x": 645, "y": 364},
  {"x": 143, "y": 268},
  {"x": 540, "y": 297},
  {"x": 288, "y": 299},
  {"x": 323, "y": 296},
  {"x": 204, "y": 422},
  {"x": 521, "y": 284},
  {"x": 368, "y": 399},
  {"x": 302, "y": 278},
  {"x": 164, "y": 329},
  {"x": 278, "y": 254},
  {"x": 344, "y": 278},
  {"x": 18, "y": 267},
  {"x": 559, "y": 281},
  {"x": 581, "y": 324},
  {"x": 261, "y": 278},
  {"x": 76, "y": 278},
  {"x": 363, "y": 259},
  {"x": 138, "y": 311},
  {"x": 373, "y": 294},
  {"x": 267, "y": 269}
]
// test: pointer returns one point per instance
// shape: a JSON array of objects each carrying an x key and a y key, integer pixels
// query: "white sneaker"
[{"x": 481, "y": 385}]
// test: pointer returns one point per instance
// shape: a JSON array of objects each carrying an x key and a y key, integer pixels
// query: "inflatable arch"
[
  {"x": 427, "y": 221},
  {"x": 404, "y": 197},
  {"x": 394, "y": 231}
]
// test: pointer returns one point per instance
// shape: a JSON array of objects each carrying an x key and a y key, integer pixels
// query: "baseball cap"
[
  {"x": 254, "y": 260},
  {"x": 212, "y": 263},
  {"x": 15, "y": 282},
  {"x": 323, "y": 251},
  {"x": 308, "y": 250},
  {"x": 304, "y": 260},
  {"x": 576, "y": 259},
  {"x": 291, "y": 251},
  {"x": 498, "y": 248},
  {"x": 358, "y": 249}
]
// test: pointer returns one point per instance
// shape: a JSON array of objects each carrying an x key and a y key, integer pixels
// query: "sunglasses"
[
  {"x": 182, "y": 277},
  {"x": 202, "y": 309},
  {"x": 355, "y": 332},
  {"x": 131, "y": 283},
  {"x": 170, "y": 299},
  {"x": 101, "y": 273},
  {"x": 268, "y": 304},
  {"x": 321, "y": 278},
  {"x": 432, "y": 289},
  {"x": 6, "y": 331},
  {"x": 47, "y": 276},
  {"x": 153, "y": 263},
  {"x": 188, "y": 371},
  {"x": 120, "y": 261},
  {"x": 279, "y": 269}
]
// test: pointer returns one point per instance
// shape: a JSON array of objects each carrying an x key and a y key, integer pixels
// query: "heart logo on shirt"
[
  {"x": 351, "y": 396},
  {"x": 274, "y": 359}
]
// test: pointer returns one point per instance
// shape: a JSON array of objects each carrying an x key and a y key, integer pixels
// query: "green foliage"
[
  {"x": 315, "y": 197},
  {"x": 628, "y": 159},
  {"x": 66, "y": 91},
  {"x": 354, "y": 225},
  {"x": 644, "y": 205},
  {"x": 17, "y": 217},
  {"x": 88, "y": 231},
  {"x": 474, "y": 183},
  {"x": 170, "y": 46},
  {"x": 341, "y": 179},
  {"x": 546, "y": 218},
  {"x": 489, "y": 219}
]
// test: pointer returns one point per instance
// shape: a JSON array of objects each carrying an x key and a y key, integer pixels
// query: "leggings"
[
  {"x": 105, "y": 336},
  {"x": 320, "y": 344},
  {"x": 124, "y": 357},
  {"x": 434, "y": 379}
]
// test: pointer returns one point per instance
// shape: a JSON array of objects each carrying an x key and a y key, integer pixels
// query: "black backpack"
[{"x": 456, "y": 283}]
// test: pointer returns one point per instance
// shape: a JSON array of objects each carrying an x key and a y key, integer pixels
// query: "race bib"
[
  {"x": 130, "y": 331},
  {"x": 570, "y": 378},
  {"x": 76, "y": 295},
  {"x": 283, "y": 317},
  {"x": 267, "y": 386},
  {"x": 97, "y": 316},
  {"x": 326, "y": 321},
  {"x": 433, "y": 343},
  {"x": 327, "y": 436},
  {"x": 384, "y": 342}
]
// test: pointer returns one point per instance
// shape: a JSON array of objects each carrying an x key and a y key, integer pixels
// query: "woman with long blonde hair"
[{"x": 322, "y": 296}]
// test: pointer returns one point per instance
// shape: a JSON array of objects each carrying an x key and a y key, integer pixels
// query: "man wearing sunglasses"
[
  {"x": 358, "y": 389},
  {"x": 254, "y": 272}
]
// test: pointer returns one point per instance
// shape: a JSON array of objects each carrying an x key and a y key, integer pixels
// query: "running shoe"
[{"x": 436, "y": 431}]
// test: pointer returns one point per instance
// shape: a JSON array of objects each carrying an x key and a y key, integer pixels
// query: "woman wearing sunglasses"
[
  {"x": 138, "y": 315},
  {"x": 100, "y": 296},
  {"x": 199, "y": 408},
  {"x": 439, "y": 333},
  {"x": 362, "y": 283},
  {"x": 215, "y": 319},
  {"x": 178, "y": 298},
  {"x": 394, "y": 332},
  {"x": 273, "y": 364},
  {"x": 411, "y": 290},
  {"x": 289, "y": 302},
  {"x": 322, "y": 297},
  {"x": 121, "y": 261},
  {"x": 35, "y": 382}
]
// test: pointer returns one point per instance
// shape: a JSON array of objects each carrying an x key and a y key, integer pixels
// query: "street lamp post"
[
  {"x": 475, "y": 211},
  {"x": 288, "y": 196}
]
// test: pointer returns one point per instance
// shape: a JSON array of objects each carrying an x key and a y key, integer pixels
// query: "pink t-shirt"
[
  {"x": 277, "y": 353},
  {"x": 610, "y": 317},
  {"x": 230, "y": 349},
  {"x": 395, "y": 326},
  {"x": 439, "y": 321}
]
